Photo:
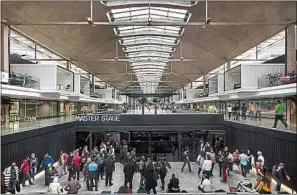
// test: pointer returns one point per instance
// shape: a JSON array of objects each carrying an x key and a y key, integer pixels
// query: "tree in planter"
[
  {"x": 172, "y": 107},
  {"x": 156, "y": 101},
  {"x": 125, "y": 107},
  {"x": 143, "y": 102}
]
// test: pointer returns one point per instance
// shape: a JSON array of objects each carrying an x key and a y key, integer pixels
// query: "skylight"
[
  {"x": 177, "y": 3},
  {"x": 148, "y": 47},
  {"x": 143, "y": 14},
  {"x": 151, "y": 63},
  {"x": 149, "y": 30},
  {"x": 157, "y": 40},
  {"x": 148, "y": 54}
]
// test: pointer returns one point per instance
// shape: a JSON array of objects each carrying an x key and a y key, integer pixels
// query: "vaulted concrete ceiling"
[{"x": 211, "y": 46}]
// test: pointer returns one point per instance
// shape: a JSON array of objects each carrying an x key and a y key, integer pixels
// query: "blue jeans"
[{"x": 243, "y": 170}]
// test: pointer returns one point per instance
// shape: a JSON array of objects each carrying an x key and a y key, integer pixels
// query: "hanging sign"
[{"x": 96, "y": 118}]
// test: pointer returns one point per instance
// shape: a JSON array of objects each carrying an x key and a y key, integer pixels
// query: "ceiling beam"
[{"x": 17, "y": 23}]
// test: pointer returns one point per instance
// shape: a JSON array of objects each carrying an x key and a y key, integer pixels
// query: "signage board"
[
  {"x": 4, "y": 77},
  {"x": 98, "y": 118}
]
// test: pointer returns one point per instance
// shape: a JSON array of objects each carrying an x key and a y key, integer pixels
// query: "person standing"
[
  {"x": 73, "y": 186},
  {"x": 76, "y": 164},
  {"x": 251, "y": 162},
  {"x": 186, "y": 161},
  {"x": 141, "y": 171},
  {"x": 279, "y": 174},
  {"x": 11, "y": 177},
  {"x": 225, "y": 164},
  {"x": 63, "y": 162},
  {"x": 46, "y": 163},
  {"x": 112, "y": 152},
  {"x": 243, "y": 111},
  {"x": 163, "y": 173},
  {"x": 150, "y": 180},
  {"x": 69, "y": 165},
  {"x": 129, "y": 170},
  {"x": 258, "y": 111},
  {"x": 86, "y": 174},
  {"x": 243, "y": 158},
  {"x": 220, "y": 162},
  {"x": 109, "y": 169},
  {"x": 212, "y": 157},
  {"x": 199, "y": 162},
  {"x": 33, "y": 166},
  {"x": 229, "y": 111},
  {"x": 25, "y": 168},
  {"x": 93, "y": 176},
  {"x": 252, "y": 110},
  {"x": 280, "y": 110},
  {"x": 100, "y": 166}
]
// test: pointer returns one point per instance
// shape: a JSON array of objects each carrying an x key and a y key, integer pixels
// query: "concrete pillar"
[
  {"x": 68, "y": 65},
  {"x": 5, "y": 31},
  {"x": 204, "y": 83},
  {"x": 291, "y": 48},
  {"x": 93, "y": 84},
  {"x": 228, "y": 64}
]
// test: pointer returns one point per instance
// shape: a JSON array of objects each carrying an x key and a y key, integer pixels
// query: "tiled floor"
[{"x": 188, "y": 181}]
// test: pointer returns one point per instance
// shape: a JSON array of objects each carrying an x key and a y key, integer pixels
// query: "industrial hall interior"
[{"x": 151, "y": 97}]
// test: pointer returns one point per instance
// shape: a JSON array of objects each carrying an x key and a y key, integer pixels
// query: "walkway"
[{"x": 188, "y": 181}]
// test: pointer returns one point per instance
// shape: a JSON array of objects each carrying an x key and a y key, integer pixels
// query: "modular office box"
[{"x": 81, "y": 85}]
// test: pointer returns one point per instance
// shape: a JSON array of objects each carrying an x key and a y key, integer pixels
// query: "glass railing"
[
  {"x": 24, "y": 80},
  {"x": 271, "y": 80}
]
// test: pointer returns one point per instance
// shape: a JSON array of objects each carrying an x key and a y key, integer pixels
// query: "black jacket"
[
  {"x": 109, "y": 165},
  {"x": 174, "y": 183},
  {"x": 129, "y": 170}
]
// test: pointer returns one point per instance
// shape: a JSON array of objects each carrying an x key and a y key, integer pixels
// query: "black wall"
[
  {"x": 276, "y": 146},
  {"x": 48, "y": 139}
]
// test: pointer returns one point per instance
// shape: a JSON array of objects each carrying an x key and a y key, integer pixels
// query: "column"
[
  {"x": 114, "y": 93},
  {"x": 68, "y": 65},
  {"x": 90, "y": 141},
  {"x": 93, "y": 84},
  {"x": 204, "y": 83},
  {"x": 228, "y": 64},
  {"x": 291, "y": 48},
  {"x": 5, "y": 31}
]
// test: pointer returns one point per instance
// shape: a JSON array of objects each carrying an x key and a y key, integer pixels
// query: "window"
[
  {"x": 148, "y": 54},
  {"x": 143, "y": 14},
  {"x": 159, "y": 40},
  {"x": 177, "y": 3},
  {"x": 149, "y": 30},
  {"x": 149, "y": 47}
]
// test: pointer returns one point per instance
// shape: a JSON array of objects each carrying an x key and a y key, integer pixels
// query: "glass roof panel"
[
  {"x": 145, "y": 13},
  {"x": 159, "y": 40},
  {"x": 150, "y": 63},
  {"x": 129, "y": 2},
  {"x": 148, "y": 54},
  {"x": 148, "y": 47},
  {"x": 151, "y": 30}
]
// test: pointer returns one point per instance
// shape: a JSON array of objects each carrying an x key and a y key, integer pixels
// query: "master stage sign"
[{"x": 96, "y": 118}]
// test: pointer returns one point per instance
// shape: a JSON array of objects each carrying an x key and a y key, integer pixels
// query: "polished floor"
[{"x": 188, "y": 181}]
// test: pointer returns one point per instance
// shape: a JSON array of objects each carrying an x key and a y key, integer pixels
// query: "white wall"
[
  {"x": 46, "y": 73},
  {"x": 192, "y": 93},
  {"x": 175, "y": 98},
  {"x": 232, "y": 77},
  {"x": 77, "y": 83},
  {"x": 122, "y": 98},
  {"x": 221, "y": 81},
  {"x": 251, "y": 73},
  {"x": 85, "y": 85}
]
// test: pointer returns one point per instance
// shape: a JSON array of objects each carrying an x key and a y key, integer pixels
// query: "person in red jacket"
[
  {"x": 63, "y": 162},
  {"x": 76, "y": 163},
  {"x": 236, "y": 161},
  {"x": 25, "y": 168}
]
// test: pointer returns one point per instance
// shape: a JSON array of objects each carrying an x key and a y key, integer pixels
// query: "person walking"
[
  {"x": 100, "y": 166},
  {"x": 280, "y": 110},
  {"x": 258, "y": 111},
  {"x": 129, "y": 170},
  {"x": 186, "y": 161},
  {"x": 25, "y": 169},
  {"x": 11, "y": 177},
  {"x": 46, "y": 163},
  {"x": 279, "y": 174},
  {"x": 150, "y": 177},
  {"x": 86, "y": 174},
  {"x": 76, "y": 164},
  {"x": 252, "y": 110},
  {"x": 243, "y": 112},
  {"x": 243, "y": 158},
  {"x": 199, "y": 162},
  {"x": 72, "y": 186},
  {"x": 141, "y": 170},
  {"x": 93, "y": 176},
  {"x": 33, "y": 166},
  {"x": 206, "y": 167},
  {"x": 109, "y": 169}
]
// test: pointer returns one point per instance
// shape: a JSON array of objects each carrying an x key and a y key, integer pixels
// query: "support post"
[
  {"x": 291, "y": 48},
  {"x": 204, "y": 83},
  {"x": 5, "y": 33},
  {"x": 68, "y": 65},
  {"x": 90, "y": 141},
  {"x": 93, "y": 84}
]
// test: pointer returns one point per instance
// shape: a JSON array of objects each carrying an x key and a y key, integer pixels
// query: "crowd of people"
[{"x": 99, "y": 164}]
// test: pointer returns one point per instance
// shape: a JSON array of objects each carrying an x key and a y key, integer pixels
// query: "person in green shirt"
[{"x": 280, "y": 110}]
